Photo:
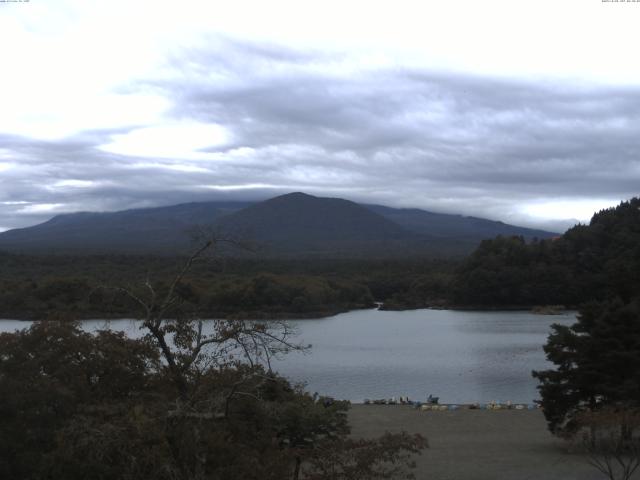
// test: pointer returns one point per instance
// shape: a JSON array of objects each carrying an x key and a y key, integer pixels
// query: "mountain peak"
[
  {"x": 299, "y": 197},
  {"x": 295, "y": 195},
  {"x": 298, "y": 221},
  {"x": 294, "y": 223}
]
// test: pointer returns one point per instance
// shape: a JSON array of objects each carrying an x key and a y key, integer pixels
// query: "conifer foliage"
[{"x": 597, "y": 364}]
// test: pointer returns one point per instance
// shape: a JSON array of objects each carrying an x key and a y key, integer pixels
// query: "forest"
[
  {"x": 591, "y": 395},
  {"x": 175, "y": 404},
  {"x": 110, "y": 407},
  {"x": 37, "y": 287},
  {"x": 588, "y": 262},
  {"x": 179, "y": 402}
]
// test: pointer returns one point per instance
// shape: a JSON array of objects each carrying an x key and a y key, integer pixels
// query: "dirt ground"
[{"x": 478, "y": 444}]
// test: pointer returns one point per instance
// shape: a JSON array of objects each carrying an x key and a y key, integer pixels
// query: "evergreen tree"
[{"x": 597, "y": 364}]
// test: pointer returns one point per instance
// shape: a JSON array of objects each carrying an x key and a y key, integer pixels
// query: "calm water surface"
[{"x": 458, "y": 356}]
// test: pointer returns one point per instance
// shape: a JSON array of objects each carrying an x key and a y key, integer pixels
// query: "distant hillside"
[
  {"x": 148, "y": 230},
  {"x": 469, "y": 229},
  {"x": 589, "y": 262},
  {"x": 292, "y": 224},
  {"x": 300, "y": 223}
]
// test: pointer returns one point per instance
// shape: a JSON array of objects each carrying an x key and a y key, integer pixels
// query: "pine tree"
[{"x": 597, "y": 364}]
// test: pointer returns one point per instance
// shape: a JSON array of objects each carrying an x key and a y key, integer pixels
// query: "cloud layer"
[{"x": 248, "y": 120}]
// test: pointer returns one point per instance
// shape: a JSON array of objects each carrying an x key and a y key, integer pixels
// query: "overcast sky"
[{"x": 522, "y": 111}]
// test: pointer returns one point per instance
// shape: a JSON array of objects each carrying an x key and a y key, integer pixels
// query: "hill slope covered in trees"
[{"x": 589, "y": 262}]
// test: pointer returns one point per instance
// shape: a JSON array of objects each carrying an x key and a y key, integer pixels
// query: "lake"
[{"x": 460, "y": 356}]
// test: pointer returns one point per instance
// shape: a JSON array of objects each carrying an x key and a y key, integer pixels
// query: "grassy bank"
[{"x": 477, "y": 444}]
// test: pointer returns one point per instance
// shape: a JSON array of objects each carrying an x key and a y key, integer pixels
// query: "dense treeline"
[
  {"x": 593, "y": 390},
  {"x": 37, "y": 287},
  {"x": 77, "y": 405},
  {"x": 263, "y": 295},
  {"x": 187, "y": 400},
  {"x": 588, "y": 262}
]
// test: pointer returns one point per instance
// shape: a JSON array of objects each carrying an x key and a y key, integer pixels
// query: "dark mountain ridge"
[
  {"x": 291, "y": 224},
  {"x": 153, "y": 230},
  {"x": 296, "y": 223},
  {"x": 454, "y": 226}
]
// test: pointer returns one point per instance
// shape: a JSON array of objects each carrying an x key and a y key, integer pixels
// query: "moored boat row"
[{"x": 432, "y": 404}]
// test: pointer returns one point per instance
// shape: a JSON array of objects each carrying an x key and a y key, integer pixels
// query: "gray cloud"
[{"x": 309, "y": 121}]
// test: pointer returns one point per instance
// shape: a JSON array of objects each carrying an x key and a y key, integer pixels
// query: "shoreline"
[
  {"x": 425, "y": 406},
  {"x": 266, "y": 316},
  {"x": 537, "y": 309},
  {"x": 313, "y": 315}
]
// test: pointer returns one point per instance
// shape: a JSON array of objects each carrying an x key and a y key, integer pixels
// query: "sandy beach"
[{"x": 478, "y": 444}]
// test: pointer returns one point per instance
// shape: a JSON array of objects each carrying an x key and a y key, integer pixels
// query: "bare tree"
[
  {"x": 214, "y": 362},
  {"x": 190, "y": 346},
  {"x": 609, "y": 437}
]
